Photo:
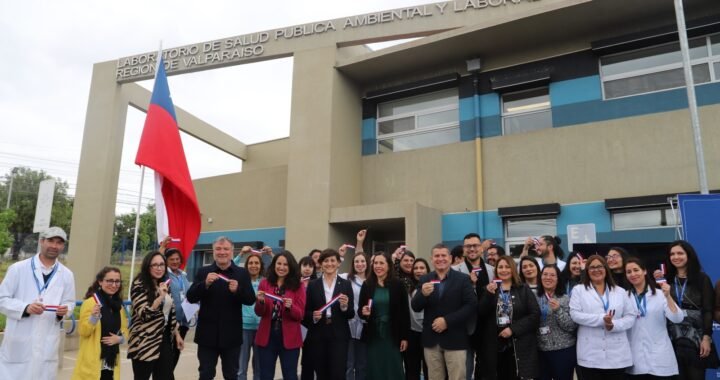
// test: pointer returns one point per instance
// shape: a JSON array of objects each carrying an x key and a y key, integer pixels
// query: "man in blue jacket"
[
  {"x": 448, "y": 301},
  {"x": 221, "y": 288}
]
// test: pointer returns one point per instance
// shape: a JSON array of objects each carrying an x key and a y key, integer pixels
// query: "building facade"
[{"x": 509, "y": 118}]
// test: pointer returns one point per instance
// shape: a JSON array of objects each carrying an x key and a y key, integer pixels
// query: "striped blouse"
[{"x": 148, "y": 325}]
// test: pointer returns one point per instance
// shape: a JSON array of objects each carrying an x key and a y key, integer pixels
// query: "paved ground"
[{"x": 187, "y": 368}]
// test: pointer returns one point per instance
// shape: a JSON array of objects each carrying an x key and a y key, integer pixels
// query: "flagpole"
[
  {"x": 692, "y": 102},
  {"x": 137, "y": 227},
  {"x": 142, "y": 181}
]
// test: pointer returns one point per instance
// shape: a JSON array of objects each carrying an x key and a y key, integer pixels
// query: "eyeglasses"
[
  {"x": 157, "y": 266},
  {"x": 113, "y": 282},
  {"x": 471, "y": 246},
  {"x": 614, "y": 257},
  {"x": 596, "y": 268}
]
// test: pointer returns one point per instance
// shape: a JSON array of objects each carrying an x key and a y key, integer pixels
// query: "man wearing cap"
[{"x": 35, "y": 296}]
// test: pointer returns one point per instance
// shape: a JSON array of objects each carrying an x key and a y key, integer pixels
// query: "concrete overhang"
[
  {"x": 578, "y": 21},
  {"x": 139, "y": 98}
]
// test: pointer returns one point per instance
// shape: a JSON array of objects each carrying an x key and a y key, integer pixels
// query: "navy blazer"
[
  {"x": 458, "y": 304},
  {"x": 339, "y": 327},
  {"x": 220, "y": 320}
]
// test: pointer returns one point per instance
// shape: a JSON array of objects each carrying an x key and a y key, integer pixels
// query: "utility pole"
[{"x": 12, "y": 178}]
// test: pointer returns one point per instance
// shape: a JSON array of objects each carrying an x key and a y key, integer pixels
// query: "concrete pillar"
[
  {"x": 94, "y": 209},
  {"x": 324, "y": 165}
]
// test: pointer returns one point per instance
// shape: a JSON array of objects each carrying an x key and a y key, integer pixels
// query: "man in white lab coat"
[{"x": 35, "y": 295}]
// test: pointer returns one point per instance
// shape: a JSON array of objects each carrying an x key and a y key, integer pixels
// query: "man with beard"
[
  {"x": 35, "y": 296},
  {"x": 480, "y": 274}
]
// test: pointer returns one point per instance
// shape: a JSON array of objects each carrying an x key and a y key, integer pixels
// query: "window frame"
[
  {"x": 521, "y": 240},
  {"x": 709, "y": 60},
  {"x": 665, "y": 212},
  {"x": 504, "y": 115},
  {"x": 416, "y": 130}
]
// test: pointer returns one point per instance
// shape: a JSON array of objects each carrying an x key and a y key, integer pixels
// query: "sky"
[{"x": 47, "y": 52}]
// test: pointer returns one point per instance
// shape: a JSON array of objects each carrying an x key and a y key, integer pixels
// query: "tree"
[
  {"x": 23, "y": 200},
  {"x": 125, "y": 230},
  {"x": 6, "y": 238}
]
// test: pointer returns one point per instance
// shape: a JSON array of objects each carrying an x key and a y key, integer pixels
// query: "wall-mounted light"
[{"x": 473, "y": 64}]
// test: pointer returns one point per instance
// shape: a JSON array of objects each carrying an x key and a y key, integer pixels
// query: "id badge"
[
  {"x": 503, "y": 320},
  {"x": 182, "y": 296},
  {"x": 544, "y": 330}
]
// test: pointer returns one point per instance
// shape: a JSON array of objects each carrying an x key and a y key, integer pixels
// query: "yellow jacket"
[{"x": 88, "y": 360}]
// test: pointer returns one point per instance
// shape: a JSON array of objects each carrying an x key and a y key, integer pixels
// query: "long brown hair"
[
  {"x": 514, "y": 276},
  {"x": 99, "y": 277},
  {"x": 608, "y": 274}
]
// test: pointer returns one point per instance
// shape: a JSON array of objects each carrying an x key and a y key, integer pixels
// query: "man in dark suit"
[
  {"x": 221, "y": 288},
  {"x": 449, "y": 302},
  {"x": 328, "y": 334}
]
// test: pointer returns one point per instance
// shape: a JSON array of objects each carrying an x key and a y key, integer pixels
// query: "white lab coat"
[
  {"x": 30, "y": 346},
  {"x": 652, "y": 350},
  {"x": 597, "y": 347}
]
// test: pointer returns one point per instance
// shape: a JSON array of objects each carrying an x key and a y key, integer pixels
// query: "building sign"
[
  {"x": 581, "y": 234},
  {"x": 233, "y": 50}
]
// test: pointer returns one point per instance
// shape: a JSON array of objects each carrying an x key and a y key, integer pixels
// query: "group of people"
[{"x": 391, "y": 316}]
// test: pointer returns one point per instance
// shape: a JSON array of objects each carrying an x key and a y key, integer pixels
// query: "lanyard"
[
  {"x": 606, "y": 301},
  {"x": 680, "y": 291},
  {"x": 641, "y": 302},
  {"x": 177, "y": 279},
  {"x": 37, "y": 283},
  {"x": 505, "y": 296}
]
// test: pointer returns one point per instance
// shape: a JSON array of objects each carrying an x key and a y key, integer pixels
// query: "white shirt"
[
  {"x": 329, "y": 293},
  {"x": 356, "y": 324},
  {"x": 597, "y": 347},
  {"x": 559, "y": 263},
  {"x": 30, "y": 347},
  {"x": 652, "y": 350}
]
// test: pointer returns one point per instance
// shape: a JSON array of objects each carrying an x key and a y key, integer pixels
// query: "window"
[
  {"x": 647, "y": 218},
  {"x": 526, "y": 111},
  {"x": 518, "y": 230},
  {"x": 659, "y": 67},
  {"x": 418, "y": 122}
]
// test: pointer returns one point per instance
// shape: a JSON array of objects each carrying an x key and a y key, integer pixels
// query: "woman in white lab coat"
[
  {"x": 652, "y": 352},
  {"x": 604, "y": 313}
]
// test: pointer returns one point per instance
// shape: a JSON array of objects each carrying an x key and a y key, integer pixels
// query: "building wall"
[
  {"x": 251, "y": 199},
  {"x": 441, "y": 177}
]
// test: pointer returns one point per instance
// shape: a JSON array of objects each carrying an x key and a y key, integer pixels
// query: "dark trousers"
[
  {"x": 208, "y": 357},
  {"x": 269, "y": 354},
  {"x": 506, "y": 366},
  {"x": 558, "y": 364},
  {"x": 414, "y": 357},
  {"x": 107, "y": 375},
  {"x": 601, "y": 374},
  {"x": 160, "y": 368},
  {"x": 307, "y": 372},
  {"x": 329, "y": 358},
  {"x": 175, "y": 352}
]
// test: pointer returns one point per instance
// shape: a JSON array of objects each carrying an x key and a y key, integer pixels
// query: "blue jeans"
[
  {"x": 248, "y": 344},
  {"x": 269, "y": 355},
  {"x": 356, "y": 361},
  {"x": 558, "y": 364}
]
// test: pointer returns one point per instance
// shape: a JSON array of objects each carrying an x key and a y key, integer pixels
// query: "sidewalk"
[{"x": 187, "y": 368}]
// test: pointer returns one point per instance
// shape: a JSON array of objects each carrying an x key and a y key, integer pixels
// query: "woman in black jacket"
[
  {"x": 388, "y": 320},
  {"x": 692, "y": 290},
  {"x": 510, "y": 336}
]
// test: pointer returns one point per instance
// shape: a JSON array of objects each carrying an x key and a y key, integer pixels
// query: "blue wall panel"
[{"x": 270, "y": 236}]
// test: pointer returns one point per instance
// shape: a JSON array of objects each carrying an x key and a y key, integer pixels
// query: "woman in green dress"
[{"x": 384, "y": 306}]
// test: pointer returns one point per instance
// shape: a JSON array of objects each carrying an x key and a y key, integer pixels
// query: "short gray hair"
[{"x": 221, "y": 239}]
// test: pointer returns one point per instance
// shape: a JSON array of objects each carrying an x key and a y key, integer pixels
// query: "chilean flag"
[{"x": 177, "y": 211}]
